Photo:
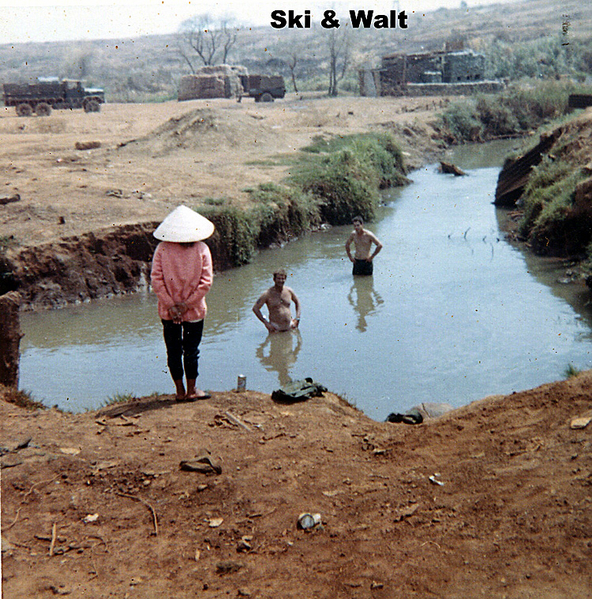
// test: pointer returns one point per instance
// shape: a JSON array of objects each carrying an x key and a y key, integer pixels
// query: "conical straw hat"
[{"x": 184, "y": 225}]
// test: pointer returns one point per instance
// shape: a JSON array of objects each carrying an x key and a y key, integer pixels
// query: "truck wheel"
[
  {"x": 43, "y": 109},
  {"x": 92, "y": 106},
  {"x": 24, "y": 110},
  {"x": 266, "y": 97}
]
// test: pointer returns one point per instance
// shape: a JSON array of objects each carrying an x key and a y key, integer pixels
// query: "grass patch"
[
  {"x": 215, "y": 201},
  {"x": 234, "y": 240},
  {"x": 344, "y": 184},
  {"x": 345, "y": 174},
  {"x": 460, "y": 121},
  {"x": 519, "y": 109},
  {"x": 119, "y": 398},
  {"x": 379, "y": 149},
  {"x": 549, "y": 221},
  {"x": 556, "y": 209},
  {"x": 547, "y": 173},
  {"x": 20, "y": 398},
  {"x": 282, "y": 212},
  {"x": 278, "y": 214},
  {"x": 571, "y": 371}
]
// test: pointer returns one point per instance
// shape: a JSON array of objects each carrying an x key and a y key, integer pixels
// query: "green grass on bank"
[
  {"x": 557, "y": 218},
  {"x": 522, "y": 108},
  {"x": 331, "y": 181},
  {"x": 571, "y": 371}
]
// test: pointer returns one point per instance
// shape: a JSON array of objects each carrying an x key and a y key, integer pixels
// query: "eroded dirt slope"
[{"x": 491, "y": 500}]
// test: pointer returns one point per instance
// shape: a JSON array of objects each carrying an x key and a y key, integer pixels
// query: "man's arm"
[
  {"x": 348, "y": 247},
  {"x": 378, "y": 245},
  {"x": 296, "y": 306},
  {"x": 257, "y": 310}
]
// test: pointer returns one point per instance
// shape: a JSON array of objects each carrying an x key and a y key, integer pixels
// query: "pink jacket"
[{"x": 182, "y": 274}]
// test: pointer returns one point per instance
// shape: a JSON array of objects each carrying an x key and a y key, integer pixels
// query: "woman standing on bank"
[{"x": 181, "y": 276}]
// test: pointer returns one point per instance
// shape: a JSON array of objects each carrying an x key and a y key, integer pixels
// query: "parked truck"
[
  {"x": 264, "y": 88},
  {"x": 45, "y": 94}
]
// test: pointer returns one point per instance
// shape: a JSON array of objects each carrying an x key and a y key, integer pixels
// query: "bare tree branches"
[
  {"x": 339, "y": 47},
  {"x": 292, "y": 62},
  {"x": 207, "y": 40}
]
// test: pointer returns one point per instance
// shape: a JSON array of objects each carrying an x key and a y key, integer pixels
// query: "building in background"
[{"x": 446, "y": 72}]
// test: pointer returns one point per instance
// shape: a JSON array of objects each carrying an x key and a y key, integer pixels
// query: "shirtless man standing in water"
[
  {"x": 278, "y": 299},
  {"x": 363, "y": 240}
]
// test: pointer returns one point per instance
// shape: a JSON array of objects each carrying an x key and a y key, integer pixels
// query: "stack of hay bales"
[{"x": 221, "y": 81}]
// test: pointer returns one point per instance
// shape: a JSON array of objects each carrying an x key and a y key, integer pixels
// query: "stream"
[{"x": 452, "y": 314}]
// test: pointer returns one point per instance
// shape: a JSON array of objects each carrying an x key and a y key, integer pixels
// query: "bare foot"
[{"x": 180, "y": 394}]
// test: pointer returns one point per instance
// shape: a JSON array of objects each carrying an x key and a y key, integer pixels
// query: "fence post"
[{"x": 10, "y": 338}]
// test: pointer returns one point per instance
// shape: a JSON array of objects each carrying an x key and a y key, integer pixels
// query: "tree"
[
  {"x": 339, "y": 47},
  {"x": 210, "y": 39},
  {"x": 292, "y": 62},
  {"x": 297, "y": 57}
]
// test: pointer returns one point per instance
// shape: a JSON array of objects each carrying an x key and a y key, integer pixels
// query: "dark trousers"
[
  {"x": 362, "y": 267},
  {"x": 182, "y": 345}
]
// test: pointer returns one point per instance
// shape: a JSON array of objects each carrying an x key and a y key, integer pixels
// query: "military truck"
[
  {"x": 264, "y": 88},
  {"x": 45, "y": 94}
]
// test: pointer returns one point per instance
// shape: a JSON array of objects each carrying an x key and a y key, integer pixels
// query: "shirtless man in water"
[
  {"x": 362, "y": 240},
  {"x": 278, "y": 299}
]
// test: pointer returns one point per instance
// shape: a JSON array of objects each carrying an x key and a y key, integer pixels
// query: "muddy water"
[{"x": 453, "y": 313}]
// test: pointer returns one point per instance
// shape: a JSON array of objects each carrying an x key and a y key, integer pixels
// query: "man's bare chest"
[
  {"x": 362, "y": 242},
  {"x": 279, "y": 300}
]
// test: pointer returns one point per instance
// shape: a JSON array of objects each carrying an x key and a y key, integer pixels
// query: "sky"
[{"x": 48, "y": 21}]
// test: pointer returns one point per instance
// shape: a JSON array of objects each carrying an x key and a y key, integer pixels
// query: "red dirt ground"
[{"x": 96, "y": 504}]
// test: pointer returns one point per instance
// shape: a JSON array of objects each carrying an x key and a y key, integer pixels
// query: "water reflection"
[
  {"x": 474, "y": 156},
  {"x": 364, "y": 299},
  {"x": 279, "y": 353}
]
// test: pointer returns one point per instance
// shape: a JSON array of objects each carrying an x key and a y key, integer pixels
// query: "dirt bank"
[
  {"x": 151, "y": 157},
  {"x": 84, "y": 267},
  {"x": 551, "y": 185},
  {"x": 491, "y": 500}
]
